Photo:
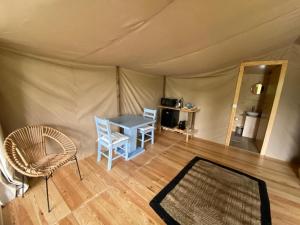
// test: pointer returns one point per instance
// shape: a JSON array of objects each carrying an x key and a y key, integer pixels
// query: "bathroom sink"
[{"x": 254, "y": 114}]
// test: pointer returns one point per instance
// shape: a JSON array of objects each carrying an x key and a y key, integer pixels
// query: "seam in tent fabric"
[
  {"x": 140, "y": 25},
  {"x": 224, "y": 40},
  {"x": 61, "y": 62},
  {"x": 131, "y": 91},
  {"x": 216, "y": 73}
]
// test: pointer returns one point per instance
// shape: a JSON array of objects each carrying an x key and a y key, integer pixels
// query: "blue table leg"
[{"x": 133, "y": 149}]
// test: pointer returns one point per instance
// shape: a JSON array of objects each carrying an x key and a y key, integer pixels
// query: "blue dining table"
[{"x": 130, "y": 124}]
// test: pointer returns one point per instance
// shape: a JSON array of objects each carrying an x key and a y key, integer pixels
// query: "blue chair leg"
[
  {"x": 152, "y": 136},
  {"x": 99, "y": 152},
  {"x": 109, "y": 160},
  {"x": 143, "y": 140},
  {"x": 126, "y": 150}
]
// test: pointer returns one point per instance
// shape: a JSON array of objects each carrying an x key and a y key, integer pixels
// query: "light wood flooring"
[{"x": 122, "y": 195}]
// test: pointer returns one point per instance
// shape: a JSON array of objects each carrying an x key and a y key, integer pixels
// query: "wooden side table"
[{"x": 190, "y": 130}]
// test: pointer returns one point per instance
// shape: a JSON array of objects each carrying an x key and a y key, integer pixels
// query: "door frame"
[{"x": 283, "y": 69}]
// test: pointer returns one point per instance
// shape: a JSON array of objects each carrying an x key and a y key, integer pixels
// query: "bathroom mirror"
[{"x": 257, "y": 88}]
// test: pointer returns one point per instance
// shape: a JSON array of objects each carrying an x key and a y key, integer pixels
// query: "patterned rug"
[{"x": 208, "y": 193}]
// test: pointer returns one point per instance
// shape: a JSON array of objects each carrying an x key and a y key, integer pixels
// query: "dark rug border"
[{"x": 155, "y": 202}]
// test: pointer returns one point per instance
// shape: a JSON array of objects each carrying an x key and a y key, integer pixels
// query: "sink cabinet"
[{"x": 250, "y": 126}]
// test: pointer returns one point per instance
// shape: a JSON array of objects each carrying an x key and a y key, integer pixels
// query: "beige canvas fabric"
[
  {"x": 37, "y": 92},
  {"x": 284, "y": 141},
  {"x": 33, "y": 91},
  {"x": 213, "y": 94},
  {"x": 138, "y": 91},
  {"x": 154, "y": 37}
]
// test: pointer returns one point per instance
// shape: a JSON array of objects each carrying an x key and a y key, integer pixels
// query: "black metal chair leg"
[
  {"x": 22, "y": 186},
  {"x": 46, "y": 178},
  {"x": 78, "y": 168}
]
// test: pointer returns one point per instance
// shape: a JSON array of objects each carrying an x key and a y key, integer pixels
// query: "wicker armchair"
[{"x": 25, "y": 150}]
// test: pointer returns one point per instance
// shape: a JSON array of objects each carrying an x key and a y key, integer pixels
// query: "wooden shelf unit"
[{"x": 189, "y": 131}]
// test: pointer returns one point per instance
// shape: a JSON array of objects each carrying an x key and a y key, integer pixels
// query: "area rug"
[{"x": 208, "y": 193}]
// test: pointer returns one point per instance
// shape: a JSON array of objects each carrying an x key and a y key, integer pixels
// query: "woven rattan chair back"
[
  {"x": 25, "y": 150},
  {"x": 26, "y": 146}
]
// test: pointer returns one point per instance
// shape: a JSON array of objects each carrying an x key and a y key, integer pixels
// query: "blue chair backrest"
[
  {"x": 103, "y": 129},
  {"x": 150, "y": 113}
]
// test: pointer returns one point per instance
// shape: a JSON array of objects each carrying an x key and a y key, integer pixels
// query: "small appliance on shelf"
[
  {"x": 170, "y": 108},
  {"x": 170, "y": 102}
]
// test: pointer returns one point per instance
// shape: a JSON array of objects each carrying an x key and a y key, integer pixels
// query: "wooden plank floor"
[{"x": 122, "y": 196}]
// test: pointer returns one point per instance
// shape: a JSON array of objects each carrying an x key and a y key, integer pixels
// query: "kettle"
[{"x": 179, "y": 103}]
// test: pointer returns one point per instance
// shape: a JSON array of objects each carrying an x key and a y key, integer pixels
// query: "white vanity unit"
[{"x": 251, "y": 124}]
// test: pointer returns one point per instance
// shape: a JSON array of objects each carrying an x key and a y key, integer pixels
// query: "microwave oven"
[{"x": 170, "y": 102}]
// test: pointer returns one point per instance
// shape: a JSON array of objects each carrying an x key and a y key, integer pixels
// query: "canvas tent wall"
[
  {"x": 58, "y": 61},
  {"x": 68, "y": 97},
  {"x": 139, "y": 90},
  {"x": 284, "y": 141},
  {"x": 34, "y": 91},
  {"x": 213, "y": 92},
  {"x": 37, "y": 92}
]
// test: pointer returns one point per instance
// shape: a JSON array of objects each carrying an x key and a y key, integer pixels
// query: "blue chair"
[
  {"x": 111, "y": 141},
  {"x": 148, "y": 131}
]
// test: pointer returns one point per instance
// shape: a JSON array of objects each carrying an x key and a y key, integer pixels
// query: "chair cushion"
[
  {"x": 146, "y": 129},
  {"x": 115, "y": 138}
]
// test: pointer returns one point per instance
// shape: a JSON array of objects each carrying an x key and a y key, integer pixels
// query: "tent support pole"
[
  {"x": 118, "y": 90},
  {"x": 164, "y": 86}
]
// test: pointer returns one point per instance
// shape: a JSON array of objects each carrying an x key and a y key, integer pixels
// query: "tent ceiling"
[{"x": 157, "y": 36}]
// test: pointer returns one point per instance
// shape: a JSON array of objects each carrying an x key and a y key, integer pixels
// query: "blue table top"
[{"x": 131, "y": 121}]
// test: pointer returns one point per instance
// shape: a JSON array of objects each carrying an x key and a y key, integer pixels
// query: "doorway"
[{"x": 255, "y": 104}]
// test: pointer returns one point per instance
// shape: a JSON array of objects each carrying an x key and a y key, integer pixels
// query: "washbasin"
[{"x": 254, "y": 114}]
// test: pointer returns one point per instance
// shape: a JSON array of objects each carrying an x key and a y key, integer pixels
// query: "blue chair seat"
[
  {"x": 146, "y": 129},
  {"x": 116, "y": 137}
]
